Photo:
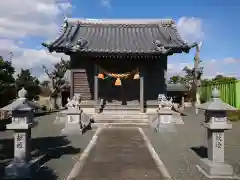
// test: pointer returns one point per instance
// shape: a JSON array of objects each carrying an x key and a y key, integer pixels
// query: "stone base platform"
[{"x": 216, "y": 170}]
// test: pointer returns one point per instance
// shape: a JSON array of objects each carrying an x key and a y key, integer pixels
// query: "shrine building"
[{"x": 119, "y": 61}]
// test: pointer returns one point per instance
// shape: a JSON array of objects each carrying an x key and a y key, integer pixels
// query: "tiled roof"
[
  {"x": 119, "y": 36},
  {"x": 177, "y": 87}
]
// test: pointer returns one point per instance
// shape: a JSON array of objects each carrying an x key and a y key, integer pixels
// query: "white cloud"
[
  {"x": 177, "y": 68},
  {"x": 230, "y": 60},
  {"x": 106, "y": 3},
  {"x": 40, "y": 18},
  {"x": 191, "y": 29},
  {"x": 30, "y": 19},
  {"x": 211, "y": 68},
  {"x": 43, "y": 77},
  {"x": 19, "y": 19},
  {"x": 27, "y": 58}
]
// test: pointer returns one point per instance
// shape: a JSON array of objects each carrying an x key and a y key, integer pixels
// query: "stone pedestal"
[
  {"x": 20, "y": 166},
  {"x": 216, "y": 170},
  {"x": 216, "y": 123},
  {"x": 214, "y": 166},
  {"x": 166, "y": 117},
  {"x": 73, "y": 122}
]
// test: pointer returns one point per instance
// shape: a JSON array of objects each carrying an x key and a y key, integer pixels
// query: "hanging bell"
[
  {"x": 118, "y": 82},
  {"x": 100, "y": 76},
  {"x": 136, "y": 76}
]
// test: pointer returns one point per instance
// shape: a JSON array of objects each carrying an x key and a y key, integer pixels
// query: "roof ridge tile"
[{"x": 121, "y": 21}]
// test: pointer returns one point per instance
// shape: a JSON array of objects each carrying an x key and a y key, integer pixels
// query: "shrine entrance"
[
  {"x": 119, "y": 82},
  {"x": 127, "y": 93}
]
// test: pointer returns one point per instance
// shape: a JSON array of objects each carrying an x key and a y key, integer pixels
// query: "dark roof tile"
[{"x": 119, "y": 36}]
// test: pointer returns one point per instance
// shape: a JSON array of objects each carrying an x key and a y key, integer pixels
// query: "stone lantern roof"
[
  {"x": 21, "y": 103},
  {"x": 216, "y": 104}
]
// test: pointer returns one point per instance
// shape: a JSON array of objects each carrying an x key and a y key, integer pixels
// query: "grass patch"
[{"x": 233, "y": 115}]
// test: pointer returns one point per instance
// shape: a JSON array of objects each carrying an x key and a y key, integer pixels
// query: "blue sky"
[
  {"x": 215, "y": 22},
  {"x": 219, "y": 21}
]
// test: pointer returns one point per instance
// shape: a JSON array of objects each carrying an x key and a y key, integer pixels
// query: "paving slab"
[{"x": 120, "y": 154}]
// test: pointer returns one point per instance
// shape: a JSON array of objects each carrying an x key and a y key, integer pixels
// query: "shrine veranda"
[{"x": 120, "y": 62}]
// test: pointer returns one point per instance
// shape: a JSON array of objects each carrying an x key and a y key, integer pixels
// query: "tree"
[
  {"x": 193, "y": 81},
  {"x": 57, "y": 79},
  {"x": 7, "y": 86},
  {"x": 221, "y": 78},
  {"x": 218, "y": 79},
  {"x": 176, "y": 80},
  {"x": 45, "y": 83},
  {"x": 29, "y": 82},
  {"x": 6, "y": 71},
  {"x": 206, "y": 81}
]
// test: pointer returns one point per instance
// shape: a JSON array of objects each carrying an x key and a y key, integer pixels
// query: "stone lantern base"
[
  {"x": 216, "y": 170},
  {"x": 18, "y": 170}
]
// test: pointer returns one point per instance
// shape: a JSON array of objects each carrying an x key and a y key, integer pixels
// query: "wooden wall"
[{"x": 154, "y": 73}]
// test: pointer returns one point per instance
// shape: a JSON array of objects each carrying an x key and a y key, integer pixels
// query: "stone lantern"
[
  {"x": 22, "y": 122},
  {"x": 216, "y": 123}
]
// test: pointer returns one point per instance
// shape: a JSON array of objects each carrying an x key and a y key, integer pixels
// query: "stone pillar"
[
  {"x": 22, "y": 122},
  {"x": 142, "y": 110},
  {"x": 216, "y": 123},
  {"x": 197, "y": 101},
  {"x": 96, "y": 89},
  {"x": 182, "y": 101}
]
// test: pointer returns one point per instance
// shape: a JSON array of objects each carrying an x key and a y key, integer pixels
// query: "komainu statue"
[{"x": 163, "y": 103}]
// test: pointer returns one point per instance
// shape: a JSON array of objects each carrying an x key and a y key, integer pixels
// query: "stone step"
[
  {"x": 111, "y": 107},
  {"x": 136, "y": 109},
  {"x": 121, "y": 116},
  {"x": 122, "y": 120},
  {"x": 122, "y": 112},
  {"x": 109, "y": 125}
]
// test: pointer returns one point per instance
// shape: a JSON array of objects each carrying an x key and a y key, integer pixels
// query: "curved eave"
[
  {"x": 60, "y": 45},
  {"x": 169, "y": 50}
]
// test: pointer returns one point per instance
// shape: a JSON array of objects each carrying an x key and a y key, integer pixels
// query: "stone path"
[{"x": 120, "y": 154}]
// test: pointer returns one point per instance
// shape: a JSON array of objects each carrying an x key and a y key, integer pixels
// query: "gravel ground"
[
  {"x": 180, "y": 146},
  {"x": 59, "y": 153}
]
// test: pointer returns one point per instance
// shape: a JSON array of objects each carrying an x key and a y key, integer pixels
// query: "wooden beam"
[
  {"x": 96, "y": 88},
  {"x": 71, "y": 85},
  {"x": 142, "y": 93}
]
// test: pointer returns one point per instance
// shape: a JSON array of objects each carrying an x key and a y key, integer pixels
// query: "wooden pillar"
[
  {"x": 141, "y": 93},
  {"x": 96, "y": 88},
  {"x": 71, "y": 85}
]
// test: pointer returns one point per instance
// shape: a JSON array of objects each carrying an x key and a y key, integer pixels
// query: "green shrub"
[{"x": 233, "y": 115}]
